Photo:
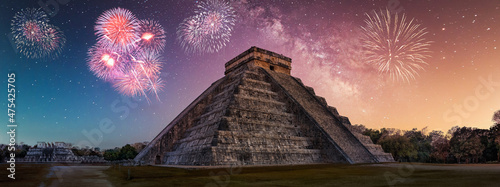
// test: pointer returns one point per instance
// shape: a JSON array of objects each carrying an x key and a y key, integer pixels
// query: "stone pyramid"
[{"x": 257, "y": 114}]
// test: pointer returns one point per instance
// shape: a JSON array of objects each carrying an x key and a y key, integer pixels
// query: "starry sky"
[{"x": 61, "y": 100}]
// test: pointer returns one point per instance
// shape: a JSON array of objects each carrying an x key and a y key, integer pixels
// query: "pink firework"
[
  {"x": 127, "y": 53},
  {"x": 149, "y": 62},
  {"x": 148, "y": 66},
  {"x": 191, "y": 34},
  {"x": 105, "y": 63},
  {"x": 117, "y": 28},
  {"x": 152, "y": 36},
  {"x": 155, "y": 86},
  {"x": 131, "y": 84},
  {"x": 210, "y": 29}
]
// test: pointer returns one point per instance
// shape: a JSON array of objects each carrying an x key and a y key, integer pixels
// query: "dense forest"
[{"x": 458, "y": 145}]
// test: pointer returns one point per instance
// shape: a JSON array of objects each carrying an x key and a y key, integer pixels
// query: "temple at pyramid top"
[
  {"x": 258, "y": 114},
  {"x": 262, "y": 58}
]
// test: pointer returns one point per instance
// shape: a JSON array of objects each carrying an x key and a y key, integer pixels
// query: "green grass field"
[
  {"x": 312, "y": 175},
  {"x": 393, "y": 174}
]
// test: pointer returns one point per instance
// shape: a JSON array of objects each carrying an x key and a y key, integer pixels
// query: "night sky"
[{"x": 60, "y": 99}]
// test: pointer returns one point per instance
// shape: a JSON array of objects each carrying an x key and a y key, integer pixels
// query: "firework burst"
[
  {"x": 191, "y": 35},
  {"x": 210, "y": 29},
  {"x": 34, "y": 37},
  {"x": 395, "y": 45},
  {"x": 132, "y": 84},
  {"x": 105, "y": 63},
  {"x": 117, "y": 28},
  {"x": 53, "y": 40},
  {"x": 152, "y": 36},
  {"x": 127, "y": 53}
]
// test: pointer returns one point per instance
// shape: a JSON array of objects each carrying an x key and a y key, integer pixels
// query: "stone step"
[
  {"x": 263, "y": 137},
  {"x": 229, "y": 149},
  {"x": 217, "y": 104},
  {"x": 256, "y": 84},
  {"x": 195, "y": 141},
  {"x": 188, "y": 150},
  {"x": 254, "y": 75},
  {"x": 322, "y": 100},
  {"x": 230, "y": 85},
  {"x": 240, "y": 156},
  {"x": 236, "y": 124},
  {"x": 281, "y": 117},
  {"x": 258, "y": 93},
  {"x": 333, "y": 110},
  {"x": 261, "y": 145},
  {"x": 209, "y": 116},
  {"x": 310, "y": 89},
  {"x": 362, "y": 138},
  {"x": 255, "y": 103},
  {"x": 223, "y": 94},
  {"x": 203, "y": 126}
]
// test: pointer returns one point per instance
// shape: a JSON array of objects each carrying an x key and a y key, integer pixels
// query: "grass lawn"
[
  {"x": 26, "y": 174},
  {"x": 312, "y": 175}
]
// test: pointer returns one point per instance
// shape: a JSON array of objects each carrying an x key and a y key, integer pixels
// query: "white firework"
[{"x": 395, "y": 45}]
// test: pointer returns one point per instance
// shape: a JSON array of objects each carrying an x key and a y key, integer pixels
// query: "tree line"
[{"x": 458, "y": 145}]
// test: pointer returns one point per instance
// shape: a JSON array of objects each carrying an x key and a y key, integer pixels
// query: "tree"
[
  {"x": 1, "y": 155},
  {"x": 459, "y": 137},
  {"x": 473, "y": 148},
  {"x": 496, "y": 117},
  {"x": 77, "y": 152},
  {"x": 112, "y": 154},
  {"x": 127, "y": 152},
  {"x": 399, "y": 146},
  {"x": 421, "y": 142},
  {"x": 373, "y": 134},
  {"x": 466, "y": 143},
  {"x": 495, "y": 138},
  {"x": 358, "y": 128},
  {"x": 440, "y": 146},
  {"x": 497, "y": 141}
]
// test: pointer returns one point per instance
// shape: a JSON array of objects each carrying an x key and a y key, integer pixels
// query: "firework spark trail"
[
  {"x": 34, "y": 37},
  {"x": 209, "y": 29},
  {"x": 153, "y": 68},
  {"x": 127, "y": 53},
  {"x": 394, "y": 45},
  {"x": 139, "y": 83}
]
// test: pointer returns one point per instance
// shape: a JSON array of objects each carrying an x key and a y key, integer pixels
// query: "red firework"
[
  {"x": 117, "y": 28},
  {"x": 32, "y": 30},
  {"x": 106, "y": 64},
  {"x": 152, "y": 36},
  {"x": 34, "y": 37},
  {"x": 53, "y": 40}
]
